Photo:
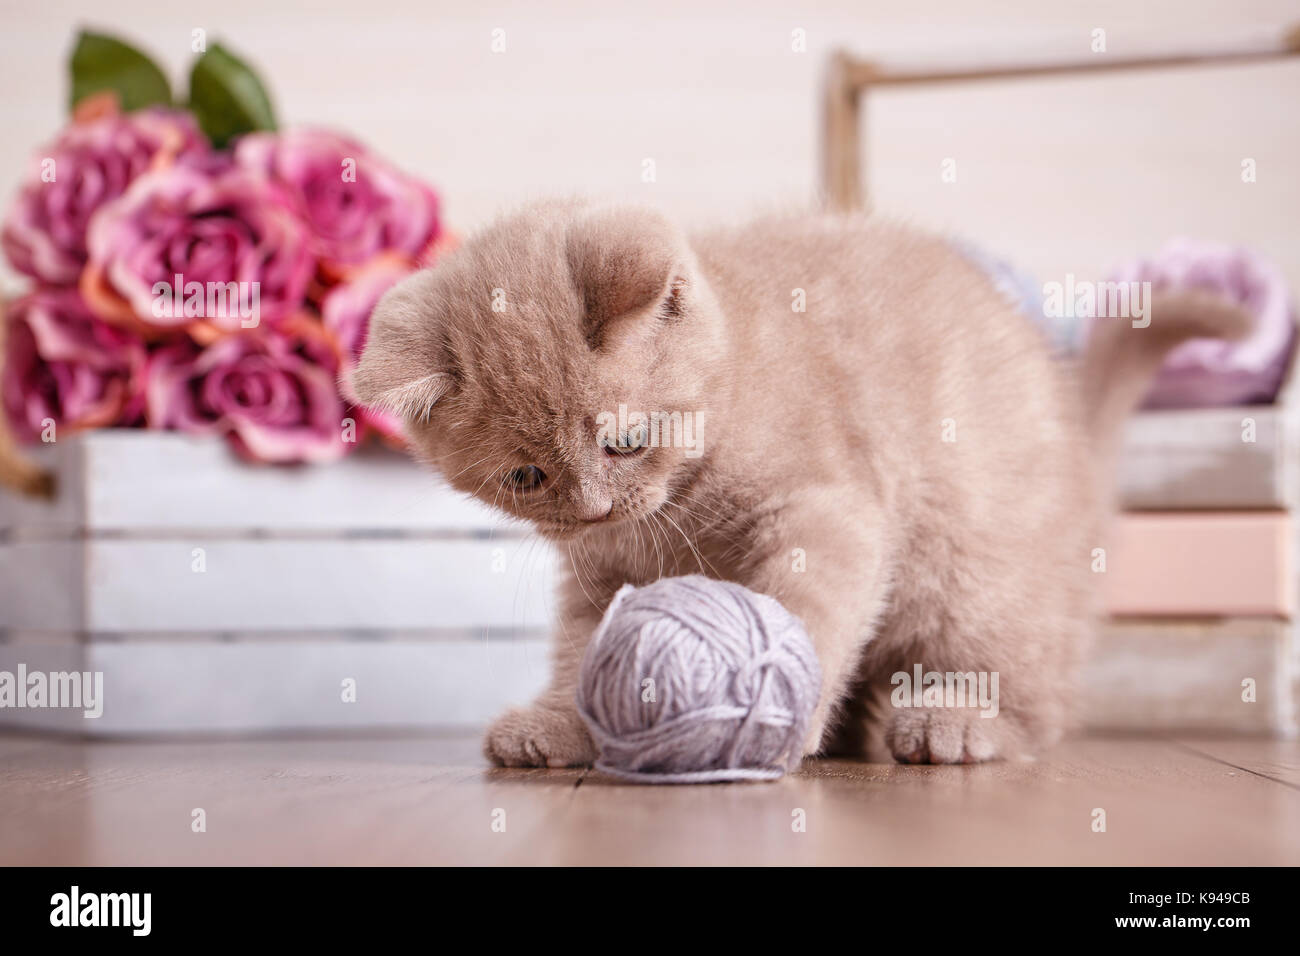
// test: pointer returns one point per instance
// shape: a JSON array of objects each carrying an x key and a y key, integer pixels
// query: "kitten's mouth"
[
  {"x": 568, "y": 530},
  {"x": 562, "y": 531}
]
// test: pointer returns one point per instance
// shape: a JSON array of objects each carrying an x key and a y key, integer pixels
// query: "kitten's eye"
[
  {"x": 634, "y": 440},
  {"x": 526, "y": 478}
]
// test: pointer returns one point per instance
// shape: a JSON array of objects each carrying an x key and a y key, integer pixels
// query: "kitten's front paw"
[
  {"x": 539, "y": 736},
  {"x": 942, "y": 736}
]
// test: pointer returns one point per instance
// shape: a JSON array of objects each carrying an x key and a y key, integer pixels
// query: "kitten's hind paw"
[{"x": 539, "y": 736}]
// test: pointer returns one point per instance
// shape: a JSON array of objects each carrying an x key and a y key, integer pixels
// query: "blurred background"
[
  {"x": 367, "y": 571},
  {"x": 1056, "y": 173}
]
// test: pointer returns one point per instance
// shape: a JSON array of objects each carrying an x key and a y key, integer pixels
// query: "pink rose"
[
  {"x": 345, "y": 312},
  {"x": 64, "y": 363},
  {"x": 271, "y": 393},
  {"x": 91, "y": 163},
  {"x": 199, "y": 241},
  {"x": 357, "y": 205}
]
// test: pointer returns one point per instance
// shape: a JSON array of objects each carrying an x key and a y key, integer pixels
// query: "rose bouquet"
[{"x": 195, "y": 268}]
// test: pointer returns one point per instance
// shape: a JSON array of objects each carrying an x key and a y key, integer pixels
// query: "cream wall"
[{"x": 1063, "y": 175}]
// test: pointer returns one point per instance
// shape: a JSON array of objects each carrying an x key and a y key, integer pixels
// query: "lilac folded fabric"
[{"x": 1209, "y": 372}]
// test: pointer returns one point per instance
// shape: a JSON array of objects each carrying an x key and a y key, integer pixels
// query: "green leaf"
[
  {"x": 227, "y": 98},
  {"x": 100, "y": 62}
]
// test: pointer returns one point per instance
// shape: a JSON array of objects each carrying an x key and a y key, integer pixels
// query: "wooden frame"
[{"x": 849, "y": 80}]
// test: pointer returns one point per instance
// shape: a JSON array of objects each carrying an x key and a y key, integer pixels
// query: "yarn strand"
[{"x": 731, "y": 678}]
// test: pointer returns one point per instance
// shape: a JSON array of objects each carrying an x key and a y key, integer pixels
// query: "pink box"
[{"x": 1200, "y": 564}]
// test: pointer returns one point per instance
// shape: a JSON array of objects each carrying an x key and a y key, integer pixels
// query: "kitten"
[{"x": 900, "y": 462}]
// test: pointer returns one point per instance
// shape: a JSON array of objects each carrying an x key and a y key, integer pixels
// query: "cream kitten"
[{"x": 901, "y": 463}]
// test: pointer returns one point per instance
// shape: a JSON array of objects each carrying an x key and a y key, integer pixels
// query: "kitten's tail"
[{"x": 1120, "y": 360}]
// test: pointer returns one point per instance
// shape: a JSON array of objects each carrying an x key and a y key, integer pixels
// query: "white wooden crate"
[
  {"x": 218, "y": 596},
  {"x": 1242, "y": 457}
]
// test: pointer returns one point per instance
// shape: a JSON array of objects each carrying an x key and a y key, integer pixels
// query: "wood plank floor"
[{"x": 432, "y": 800}]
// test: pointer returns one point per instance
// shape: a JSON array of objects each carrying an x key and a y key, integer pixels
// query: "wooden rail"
[{"x": 849, "y": 79}]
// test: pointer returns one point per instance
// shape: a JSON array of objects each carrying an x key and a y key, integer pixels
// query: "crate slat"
[
  {"x": 1187, "y": 675},
  {"x": 143, "y": 482},
  {"x": 272, "y": 584},
  {"x": 211, "y": 686},
  {"x": 1199, "y": 458},
  {"x": 1200, "y": 564}
]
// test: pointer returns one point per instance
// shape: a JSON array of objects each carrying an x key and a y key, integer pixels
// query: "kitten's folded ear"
[
  {"x": 623, "y": 261},
  {"x": 404, "y": 368}
]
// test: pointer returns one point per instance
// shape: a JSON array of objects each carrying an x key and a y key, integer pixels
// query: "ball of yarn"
[
  {"x": 691, "y": 680},
  {"x": 1209, "y": 372}
]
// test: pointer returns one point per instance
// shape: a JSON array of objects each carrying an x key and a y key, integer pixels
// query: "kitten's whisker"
[
  {"x": 491, "y": 474},
  {"x": 655, "y": 528},
  {"x": 710, "y": 512},
  {"x": 735, "y": 540},
  {"x": 467, "y": 468},
  {"x": 577, "y": 576},
  {"x": 699, "y": 558}
]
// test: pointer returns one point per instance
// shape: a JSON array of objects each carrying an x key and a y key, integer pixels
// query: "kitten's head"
[{"x": 555, "y": 366}]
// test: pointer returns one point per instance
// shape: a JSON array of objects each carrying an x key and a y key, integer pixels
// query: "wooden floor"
[{"x": 432, "y": 800}]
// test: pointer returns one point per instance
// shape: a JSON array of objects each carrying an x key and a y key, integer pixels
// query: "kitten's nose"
[{"x": 592, "y": 508}]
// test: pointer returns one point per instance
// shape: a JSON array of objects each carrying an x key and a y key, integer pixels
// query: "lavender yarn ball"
[
  {"x": 692, "y": 680},
  {"x": 1211, "y": 372}
]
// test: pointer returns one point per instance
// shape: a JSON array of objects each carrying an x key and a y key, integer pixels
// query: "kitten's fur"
[{"x": 825, "y": 480}]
